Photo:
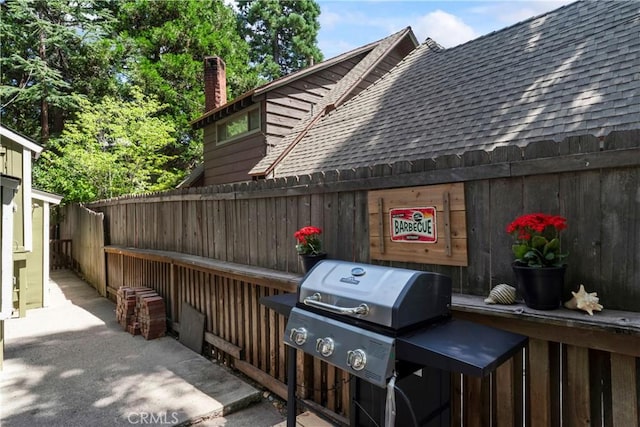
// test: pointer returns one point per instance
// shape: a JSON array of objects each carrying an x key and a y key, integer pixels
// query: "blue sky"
[{"x": 348, "y": 24}]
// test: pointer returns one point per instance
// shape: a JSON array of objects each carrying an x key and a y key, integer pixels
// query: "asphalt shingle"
[
  {"x": 340, "y": 90},
  {"x": 572, "y": 71}
]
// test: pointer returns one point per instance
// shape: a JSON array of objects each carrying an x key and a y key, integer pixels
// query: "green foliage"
[
  {"x": 537, "y": 239},
  {"x": 168, "y": 41},
  {"x": 112, "y": 148},
  {"x": 52, "y": 55},
  {"x": 282, "y": 34},
  {"x": 76, "y": 71}
]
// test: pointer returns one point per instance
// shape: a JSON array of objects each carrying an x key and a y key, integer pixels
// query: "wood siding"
[
  {"x": 286, "y": 105},
  {"x": 281, "y": 110},
  {"x": 11, "y": 163},
  {"x": 231, "y": 162},
  {"x": 35, "y": 282}
]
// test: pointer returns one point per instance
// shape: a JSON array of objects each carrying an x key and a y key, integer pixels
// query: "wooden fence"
[
  {"x": 86, "y": 230},
  {"x": 239, "y": 331},
  {"x": 593, "y": 183},
  {"x": 576, "y": 371},
  {"x": 60, "y": 254}
]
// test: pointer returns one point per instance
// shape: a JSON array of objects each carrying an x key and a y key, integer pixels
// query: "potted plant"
[
  {"x": 539, "y": 265},
  {"x": 309, "y": 246}
]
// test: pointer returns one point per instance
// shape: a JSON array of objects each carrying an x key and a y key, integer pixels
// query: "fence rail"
[
  {"x": 593, "y": 183},
  {"x": 574, "y": 372},
  {"x": 221, "y": 248},
  {"x": 60, "y": 254},
  {"x": 86, "y": 229}
]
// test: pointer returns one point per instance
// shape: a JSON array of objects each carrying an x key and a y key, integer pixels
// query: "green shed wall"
[
  {"x": 35, "y": 258},
  {"x": 13, "y": 166}
]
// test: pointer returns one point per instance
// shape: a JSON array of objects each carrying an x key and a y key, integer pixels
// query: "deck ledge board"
[{"x": 616, "y": 321}]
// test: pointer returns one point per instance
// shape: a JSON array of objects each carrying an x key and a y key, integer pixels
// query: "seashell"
[
  {"x": 501, "y": 294},
  {"x": 582, "y": 300}
]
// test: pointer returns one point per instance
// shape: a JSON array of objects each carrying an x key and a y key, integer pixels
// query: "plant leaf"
[
  {"x": 553, "y": 245},
  {"x": 538, "y": 242},
  {"x": 519, "y": 250}
]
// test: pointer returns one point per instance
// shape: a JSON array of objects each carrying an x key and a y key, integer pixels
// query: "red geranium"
[
  {"x": 538, "y": 239},
  {"x": 308, "y": 240}
]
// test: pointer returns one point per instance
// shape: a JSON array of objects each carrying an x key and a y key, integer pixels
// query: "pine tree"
[
  {"x": 282, "y": 34},
  {"x": 46, "y": 47},
  {"x": 166, "y": 43}
]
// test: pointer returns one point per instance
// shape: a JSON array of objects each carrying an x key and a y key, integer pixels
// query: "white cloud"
[
  {"x": 445, "y": 28},
  {"x": 347, "y": 24},
  {"x": 509, "y": 13},
  {"x": 328, "y": 20}
]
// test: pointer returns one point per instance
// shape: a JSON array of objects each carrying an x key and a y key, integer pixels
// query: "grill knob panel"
[
  {"x": 298, "y": 335},
  {"x": 325, "y": 346},
  {"x": 356, "y": 359}
]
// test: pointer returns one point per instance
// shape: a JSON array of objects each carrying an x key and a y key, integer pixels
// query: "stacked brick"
[
  {"x": 126, "y": 305},
  {"x": 152, "y": 317},
  {"x": 141, "y": 311}
]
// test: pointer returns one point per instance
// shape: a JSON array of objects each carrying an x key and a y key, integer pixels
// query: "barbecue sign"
[{"x": 414, "y": 225}]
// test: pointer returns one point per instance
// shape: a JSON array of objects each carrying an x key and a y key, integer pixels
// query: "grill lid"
[{"x": 392, "y": 297}]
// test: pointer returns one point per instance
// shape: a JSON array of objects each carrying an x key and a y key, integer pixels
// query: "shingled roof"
[
  {"x": 333, "y": 99},
  {"x": 572, "y": 71},
  {"x": 284, "y": 80}
]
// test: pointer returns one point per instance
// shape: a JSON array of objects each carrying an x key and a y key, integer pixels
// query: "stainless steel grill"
[
  {"x": 392, "y": 329},
  {"x": 349, "y": 314}
]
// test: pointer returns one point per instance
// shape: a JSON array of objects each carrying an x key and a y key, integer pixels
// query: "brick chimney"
[{"x": 215, "y": 82}]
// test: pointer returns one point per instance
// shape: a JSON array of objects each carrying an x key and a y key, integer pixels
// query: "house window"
[{"x": 238, "y": 125}]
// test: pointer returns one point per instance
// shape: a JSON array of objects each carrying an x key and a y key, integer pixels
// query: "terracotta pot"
[
  {"x": 308, "y": 261},
  {"x": 540, "y": 287}
]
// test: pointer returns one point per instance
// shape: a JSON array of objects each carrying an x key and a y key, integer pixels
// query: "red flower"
[
  {"x": 305, "y": 232},
  {"x": 537, "y": 239},
  {"x": 308, "y": 240}
]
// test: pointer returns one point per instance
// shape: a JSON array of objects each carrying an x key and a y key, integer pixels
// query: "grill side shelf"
[
  {"x": 281, "y": 304},
  {"x": 460, "y": 346}
]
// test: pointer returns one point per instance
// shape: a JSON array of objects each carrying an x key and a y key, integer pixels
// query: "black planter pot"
[
  {"x": 540, "y": 287},
  {"x": 308, "y": 261}
]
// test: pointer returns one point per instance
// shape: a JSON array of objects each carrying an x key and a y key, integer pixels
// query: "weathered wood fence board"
[
  {"x": 573, "y": 372},
  {"x": 592, "y": 182},
  {"x": 86, "y": 230},
  {"x": 253, "y": 223},
  {"x": 60, "y": 254}
]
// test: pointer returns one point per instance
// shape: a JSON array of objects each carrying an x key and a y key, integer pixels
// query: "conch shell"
[
  {"x": 582, "y": 300},
  {"x": 501, "y": 294}
]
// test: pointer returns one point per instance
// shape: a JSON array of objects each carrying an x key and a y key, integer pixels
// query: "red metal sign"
[{"x": 414, "y": 225}]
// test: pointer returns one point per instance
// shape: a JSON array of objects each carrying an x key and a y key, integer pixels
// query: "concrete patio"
[{"x": 71, "y": 364}]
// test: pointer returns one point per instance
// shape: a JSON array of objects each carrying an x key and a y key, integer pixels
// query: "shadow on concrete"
[{"x": 71, "y": 364}]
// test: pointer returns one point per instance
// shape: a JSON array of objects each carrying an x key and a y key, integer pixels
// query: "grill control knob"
[
  {"x": 298, "y": 335},
  {"x": 325, "y": 346},
  {"x": 357, "y": 359}
]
